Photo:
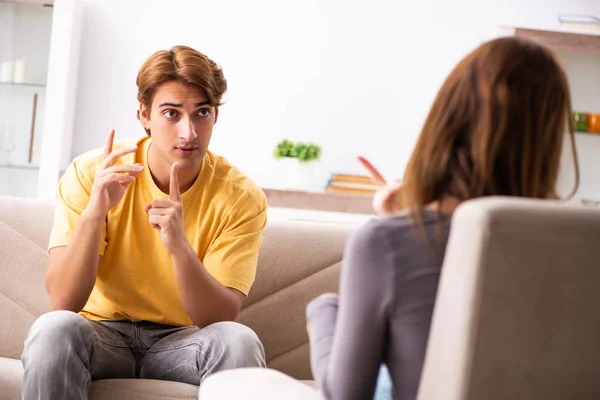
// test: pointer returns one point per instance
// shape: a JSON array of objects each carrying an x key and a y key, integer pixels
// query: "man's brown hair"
[{"x": 184, "y": 65}]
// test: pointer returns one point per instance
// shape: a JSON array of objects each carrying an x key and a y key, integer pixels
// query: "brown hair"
[
  {"x": 182, "y": 64},
  {"x": 496, "y": 127}
]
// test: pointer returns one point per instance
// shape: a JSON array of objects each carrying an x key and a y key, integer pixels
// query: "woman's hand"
[{"x": 385, "y": 200}]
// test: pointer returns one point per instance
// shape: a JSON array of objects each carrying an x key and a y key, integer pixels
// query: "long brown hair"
[
  {"x": 496, "y": 127},
  {"x": 184, "y": 65}
]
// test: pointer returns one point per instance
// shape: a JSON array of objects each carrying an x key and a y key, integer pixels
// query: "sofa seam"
[
  {"x": 289, "y": 350},
  {"x": 35, "y": 244},
  {"x": 18, "y": 304},
  {"x": 291, "y": 284},
  {"x": 23, "y": 236}
]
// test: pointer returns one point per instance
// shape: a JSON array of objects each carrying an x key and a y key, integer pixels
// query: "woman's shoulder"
[
  {"x": 396, "y": 226},
  {"x": 399, "y": 244}
]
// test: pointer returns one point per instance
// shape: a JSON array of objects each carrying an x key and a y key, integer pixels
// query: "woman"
[{"x": 496, "y": 127}]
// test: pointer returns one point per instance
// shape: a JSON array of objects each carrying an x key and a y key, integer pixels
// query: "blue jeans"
[
  {"x": 383, "y": 390},
  {"x": 65, "y": 352}
]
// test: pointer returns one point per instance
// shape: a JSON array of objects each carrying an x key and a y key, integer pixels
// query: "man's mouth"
[{"x": 186, "y": 150}]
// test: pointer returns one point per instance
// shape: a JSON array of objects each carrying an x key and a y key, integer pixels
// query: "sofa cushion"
[
  {"x": 23, "y": 297},
  {"x": 141, "y": 389},
  {"x": 31, "y": 217},
  {"x": 11, "y": 374}
]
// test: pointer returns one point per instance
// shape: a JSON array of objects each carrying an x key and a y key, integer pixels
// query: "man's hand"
[
  {"x": 166, "y": 215},
  {"x": 385, "y": 201},
  {"x": 111, "y": 180}
]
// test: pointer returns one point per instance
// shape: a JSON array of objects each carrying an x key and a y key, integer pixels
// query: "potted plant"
[
  {"x": 308, "y": 152},
  {"x": 285, "y": 149},
  {"x": 298, "y": 161}
]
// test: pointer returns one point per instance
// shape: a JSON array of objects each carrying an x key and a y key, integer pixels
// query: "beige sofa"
[{"x": 298, "y": 261}]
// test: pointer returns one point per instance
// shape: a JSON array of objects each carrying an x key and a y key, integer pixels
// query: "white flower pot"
[{"x": 296, "y": 175}]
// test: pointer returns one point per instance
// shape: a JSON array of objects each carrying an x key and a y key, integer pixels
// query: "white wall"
[
  {"x": 357, "y": 77},
  {"x": 63, "y": 67}
]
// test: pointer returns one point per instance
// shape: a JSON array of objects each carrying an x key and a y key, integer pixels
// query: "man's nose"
[{"x": 187, "y": 131}]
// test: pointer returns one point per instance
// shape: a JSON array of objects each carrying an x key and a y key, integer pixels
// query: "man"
[{"x": 153, "y": 249}]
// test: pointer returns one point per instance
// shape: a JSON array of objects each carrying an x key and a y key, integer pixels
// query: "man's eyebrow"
[{"x": 167, "y": 104}]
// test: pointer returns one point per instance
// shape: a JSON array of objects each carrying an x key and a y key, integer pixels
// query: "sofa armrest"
[{"x": 255, "y": 384}]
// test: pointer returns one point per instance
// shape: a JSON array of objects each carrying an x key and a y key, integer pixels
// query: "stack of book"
[
  {"x": 356, "y": 184},
  {"x": 579, "y": 22}
]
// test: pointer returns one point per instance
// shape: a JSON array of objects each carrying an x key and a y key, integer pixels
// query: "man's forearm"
[
  {"x": 72, "y": 274},
  {"x": 205, "y": 299}
]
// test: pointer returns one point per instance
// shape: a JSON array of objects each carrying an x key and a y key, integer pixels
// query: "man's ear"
[
  {"x": 216, "y": 114},
  {"x": 144, "y": 116}
]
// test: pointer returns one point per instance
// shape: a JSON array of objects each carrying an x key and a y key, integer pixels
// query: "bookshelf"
[
  {"x": 579, "y": 52},
  {"x": 566, "y": 40},
  {"x": 31, "y": 167},
  {"x": 46, "y": 3},
  {"x": 589, "y": 133},
  {"x": 26, "y": 84}
]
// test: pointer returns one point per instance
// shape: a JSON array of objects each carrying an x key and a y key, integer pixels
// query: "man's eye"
[
  {"x": 204, "y": 112},
  {"x": 170, "y": 114}
]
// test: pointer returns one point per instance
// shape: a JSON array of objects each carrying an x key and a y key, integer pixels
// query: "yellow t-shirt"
[{"x": 224, "y": 215}]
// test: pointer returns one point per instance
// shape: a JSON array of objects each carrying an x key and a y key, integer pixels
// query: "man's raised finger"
[
  {"x": 120, "y": 178},
  {"x": 109, "y": 143},
  {"x": 377, "y": 178},
  {"x": 174, "y": 183},
  {"x": 115, "y": 155},
  {"x": 134, "y": 169}
]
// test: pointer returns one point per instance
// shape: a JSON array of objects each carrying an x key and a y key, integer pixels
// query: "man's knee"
[
  {"x": 236, "y": 334},
  {"x": 240, "y": 343},
  {"x": 53, "y": 329}
]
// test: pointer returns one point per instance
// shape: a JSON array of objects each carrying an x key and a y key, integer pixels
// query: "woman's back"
[{"x": 388, "y": 288}]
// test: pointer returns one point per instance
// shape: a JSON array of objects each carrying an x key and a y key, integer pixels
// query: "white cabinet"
[
  {"x": 34, "y": 133},
  {"x": 24, "y": 51}
]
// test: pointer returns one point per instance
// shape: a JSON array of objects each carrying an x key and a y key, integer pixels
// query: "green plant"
[
  {"x": 308, "y": 152},
  {"x": 304, "y": 152},
  {"x": 285, "y": 148}
]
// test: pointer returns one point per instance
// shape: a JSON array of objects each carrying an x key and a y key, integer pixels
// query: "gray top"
[{"x": 388, "y": 286}]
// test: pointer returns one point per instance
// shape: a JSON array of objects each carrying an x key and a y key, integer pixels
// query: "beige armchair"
[{"x": 516, "y": 314}]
